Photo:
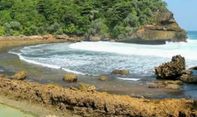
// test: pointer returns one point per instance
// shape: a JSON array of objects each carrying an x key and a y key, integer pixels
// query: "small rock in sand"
[
  {"x": 21, "y": 75},
  {"x": 70, "y": 77}
]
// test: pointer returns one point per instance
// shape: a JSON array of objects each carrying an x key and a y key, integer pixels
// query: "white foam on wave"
[
  {"x": 186, "y": 49},
  {"x": 43, "y": 64},
  {"x": 34, "y": 62},
  {"x": 129, "y": 79}
]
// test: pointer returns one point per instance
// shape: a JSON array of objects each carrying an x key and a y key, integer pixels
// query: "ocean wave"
[
  {"x": 34, "y": 62},
  {"x": 43, "y": 64},
  {"x": 95, "y": 58},
  {"x": 186, "y": 49}
]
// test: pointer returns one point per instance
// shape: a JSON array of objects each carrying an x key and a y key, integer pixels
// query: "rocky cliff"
[{"x": 165, "y": 28}]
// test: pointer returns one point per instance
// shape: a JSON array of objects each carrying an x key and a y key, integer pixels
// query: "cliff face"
[{"x": 165, "y": 28}]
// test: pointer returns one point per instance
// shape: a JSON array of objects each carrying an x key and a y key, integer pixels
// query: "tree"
[{"x": 78, "y": 17}]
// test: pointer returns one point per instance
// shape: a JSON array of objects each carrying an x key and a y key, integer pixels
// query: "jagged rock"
[
  {"x": 87, "y": 87},
  {"x": 21, "y": 75},
  {"x": 120, "y": 72},
  {"x": 171, "y": 70},
  {"x": 103, "y": 77},
  {"x": 165, "y": 28},
  {"x": 70, "y": 77}
]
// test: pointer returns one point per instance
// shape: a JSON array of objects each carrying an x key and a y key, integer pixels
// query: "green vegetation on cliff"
[{"x": 113, "y": 18}]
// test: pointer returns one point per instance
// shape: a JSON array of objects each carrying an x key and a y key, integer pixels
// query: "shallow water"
[{"x": 6, "y": 111}]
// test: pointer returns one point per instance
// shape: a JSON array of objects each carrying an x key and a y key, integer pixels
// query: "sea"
[{"x": 95, "y": 58}]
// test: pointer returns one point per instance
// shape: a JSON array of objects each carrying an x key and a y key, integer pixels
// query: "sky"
[{"x": 185, "y": 12}]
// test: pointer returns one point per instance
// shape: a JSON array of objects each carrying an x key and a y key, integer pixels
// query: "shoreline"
[
  {"x": 7, "y": 43},
  {"x": 48, "y": 106},
  {"x": 113, "y": 85}
]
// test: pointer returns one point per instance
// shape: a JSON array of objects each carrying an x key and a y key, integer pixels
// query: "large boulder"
[
  {"x": 171, "y": 70},
  {"x": 70, "y": 77},
  {"x": 21, "y": 75}
]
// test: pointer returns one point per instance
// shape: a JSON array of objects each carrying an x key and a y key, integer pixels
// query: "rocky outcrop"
[
  {"x": 165, "y": 28},
  {"x": 96, "y": 104},
  {"x": 171, "y": 70}
]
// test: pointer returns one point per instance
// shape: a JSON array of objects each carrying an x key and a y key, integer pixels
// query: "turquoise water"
[
  {"x": 6, "y": 111},
  {"x": 192, "y": 35}
]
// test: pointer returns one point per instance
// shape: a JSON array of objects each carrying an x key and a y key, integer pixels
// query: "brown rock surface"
[
  {"x": 94, "y": 103},
  {"x": 21, "y": 75},
  {"x": 70, "y": 77},
  {"x": 165, "y": 28},
  {"x": 87, "y": 87},
  {"x": 171, "y": 70}
]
